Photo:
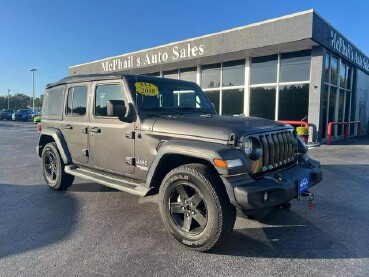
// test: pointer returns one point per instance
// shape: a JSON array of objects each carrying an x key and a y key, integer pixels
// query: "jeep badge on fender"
[{"x": 140, "y": 133}]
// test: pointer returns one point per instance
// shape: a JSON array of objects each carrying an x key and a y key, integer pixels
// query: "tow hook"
[{"x": 311, "y": 203}]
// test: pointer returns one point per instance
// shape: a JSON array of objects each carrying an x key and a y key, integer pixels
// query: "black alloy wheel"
[
  {"x": 50, "y": 167},
  {"x": 188, "y": 208},
  {"x": 195, "y": 207},
  {"x": 53, "y": 168}
]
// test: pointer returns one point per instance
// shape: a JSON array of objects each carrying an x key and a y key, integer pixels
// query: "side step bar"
[{"x": 109, "y": 181}]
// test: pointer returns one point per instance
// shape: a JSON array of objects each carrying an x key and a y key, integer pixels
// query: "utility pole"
[
  {"x": 8, "y": 97},
  {"x": 33, "y": 90}
]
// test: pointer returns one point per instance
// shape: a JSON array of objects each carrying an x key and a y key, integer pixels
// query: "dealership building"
[{"x": 289, "y": 68}]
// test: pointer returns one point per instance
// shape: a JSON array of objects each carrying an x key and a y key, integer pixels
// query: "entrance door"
[
  {"x": 111, "y": 141},
  {"x": 76, "y": 121}
]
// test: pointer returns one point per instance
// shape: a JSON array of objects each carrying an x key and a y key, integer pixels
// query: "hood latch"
[{"x": 232, "y": 140}]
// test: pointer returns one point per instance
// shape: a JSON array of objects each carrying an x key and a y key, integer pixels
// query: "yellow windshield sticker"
[{"x": 146, "y": 89}]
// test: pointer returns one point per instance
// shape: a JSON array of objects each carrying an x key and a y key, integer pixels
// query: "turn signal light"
[{"x": 220, "y": 163}]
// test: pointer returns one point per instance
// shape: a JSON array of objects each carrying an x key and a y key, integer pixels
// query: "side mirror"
[{"x": 116, "y": 108}]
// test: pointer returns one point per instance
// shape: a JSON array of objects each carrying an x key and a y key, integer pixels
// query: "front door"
[
  {"x": 111, "y": 141},
  {"x": 76, "y": 121}
]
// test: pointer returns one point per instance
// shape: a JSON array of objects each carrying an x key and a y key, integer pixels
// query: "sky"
[{"x": 51, "y": 35}]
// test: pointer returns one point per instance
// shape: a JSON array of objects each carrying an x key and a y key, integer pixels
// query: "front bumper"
[{"x": 247, "y": 193}]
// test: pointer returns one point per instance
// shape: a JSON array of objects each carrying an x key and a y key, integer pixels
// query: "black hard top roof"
[
  {"x": 94, "y": 77},
  {"x": 84, "y": 78}
]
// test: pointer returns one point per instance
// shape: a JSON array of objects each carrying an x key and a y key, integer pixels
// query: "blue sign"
[{"x": 303, "y": 184}]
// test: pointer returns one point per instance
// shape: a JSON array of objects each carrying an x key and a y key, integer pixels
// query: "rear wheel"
[
  {"x": 195, "y": 207},
  {"x": 53, "y": 168}
]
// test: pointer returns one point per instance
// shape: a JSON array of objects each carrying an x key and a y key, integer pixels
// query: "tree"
[
  {"x": 3, "y": 102},
  {"x": 19, "y": 101},
  {"x": 39, "y": 100}
]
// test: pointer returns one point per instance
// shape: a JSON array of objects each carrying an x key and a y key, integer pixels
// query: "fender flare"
[
  {"x": 58, "y": 137},
  {"x": 200, "y": 150}
]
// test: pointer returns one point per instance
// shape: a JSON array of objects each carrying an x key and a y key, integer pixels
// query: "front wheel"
[
  {"x": 195, "y": 207},
  {"x": 53, "y": 168}
]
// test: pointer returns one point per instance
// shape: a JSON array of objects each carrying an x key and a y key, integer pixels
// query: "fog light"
[{"x": 265, "y": 196}]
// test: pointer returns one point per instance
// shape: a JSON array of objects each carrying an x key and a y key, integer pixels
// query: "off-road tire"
[
  {"x": 212, "y": 203},
  {"x": 52, "y": 167}
]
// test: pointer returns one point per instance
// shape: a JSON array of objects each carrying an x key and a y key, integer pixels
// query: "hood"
[{"x": 214, "y": 126}]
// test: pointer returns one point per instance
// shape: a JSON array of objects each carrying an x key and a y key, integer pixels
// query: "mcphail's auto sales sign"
[
  {"x": 176, "y": 53},
  {"x": 342, "y": 46}
]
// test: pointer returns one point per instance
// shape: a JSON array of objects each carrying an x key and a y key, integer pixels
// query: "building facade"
[{"x": 296, "y": 67}]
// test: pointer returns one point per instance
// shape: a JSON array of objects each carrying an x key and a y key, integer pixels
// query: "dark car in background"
[
  {"x": 23, "y": 115},
  {"x": 6, "y": 114}
]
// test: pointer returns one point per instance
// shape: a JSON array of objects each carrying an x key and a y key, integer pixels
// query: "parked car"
[
  {"x": 23, "y": 115},
  {"x": 37, "y": 119},
  {"x": 6, "y": 114}
]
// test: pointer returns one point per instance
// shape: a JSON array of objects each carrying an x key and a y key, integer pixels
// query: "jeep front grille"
[{"x": 278, "y": 148}]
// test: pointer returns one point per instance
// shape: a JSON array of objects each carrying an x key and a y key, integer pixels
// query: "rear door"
[
  {"x": 75, "y": 122},
  {"x": 111, "y": 141}
]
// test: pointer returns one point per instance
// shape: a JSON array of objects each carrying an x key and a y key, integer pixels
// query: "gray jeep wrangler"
[{"x": 139, "y": 134}]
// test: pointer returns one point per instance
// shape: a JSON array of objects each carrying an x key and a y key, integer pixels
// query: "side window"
[
  {"x": 53, "y": 102},
  {"x": 103, "y": 94},
  {"x": 77, "y": 101},
  {"x": 70, "y": 101}
]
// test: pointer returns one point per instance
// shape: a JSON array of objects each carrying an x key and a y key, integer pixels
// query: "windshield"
[{"x": 168, "y": 96}]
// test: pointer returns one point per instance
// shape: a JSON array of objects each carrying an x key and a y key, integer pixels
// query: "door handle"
[
  {"x": 95, "y": 130},
  {"x": 68, "y": 127}
]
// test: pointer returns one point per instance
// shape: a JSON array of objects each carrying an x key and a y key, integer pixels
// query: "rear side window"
[
  {"x": 76, "y": 101},
  {"x": 53, "y": 102},
  {"x": 103, "y": 94}
]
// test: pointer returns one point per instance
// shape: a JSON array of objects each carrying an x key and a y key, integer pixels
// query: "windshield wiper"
[
  {"x": 162, "y": 110},
  {"x": 193, "y": 109}
]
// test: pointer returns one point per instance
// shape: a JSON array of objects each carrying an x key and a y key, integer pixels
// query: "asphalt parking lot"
[{"x": 91, "y": 230}]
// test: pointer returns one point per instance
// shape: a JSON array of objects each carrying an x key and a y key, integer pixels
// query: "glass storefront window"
[
  {"x": 353, "y": 111},
  {"x": 334, "y": 69},
  {"x": 155, "y": 74},
  {"x": 210, "y": 76},
  {"x": 341, "y": 101},
  {"x": 347, "y": 105},
  {"x": 348, "y": 77},
  {"x": 295, "y": 66},
  {"x": 327, "y": 61},
  {"x": 337, "y": 105},
  {"x": 262, "y": 102},
  {"x": 293, "y": 102},
  {"x": 234, "y": 73},
  {"x": 331, "y": 107},
  {"x": 264, "y": 70},
  {"x": 342, "y": 75},
  {"x": 232, "y": 101},
  {"x": 188, "y": 74},
  {"x": 324, "y": 112},
  {"x": 214, "y": 97},
  {"x": 172, "y": 74}
]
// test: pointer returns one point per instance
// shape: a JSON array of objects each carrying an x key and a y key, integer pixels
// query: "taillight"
[{"x": 39, "y": 128}]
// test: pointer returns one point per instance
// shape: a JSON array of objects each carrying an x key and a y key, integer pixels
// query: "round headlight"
[{"x": 247, "y": 146}]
